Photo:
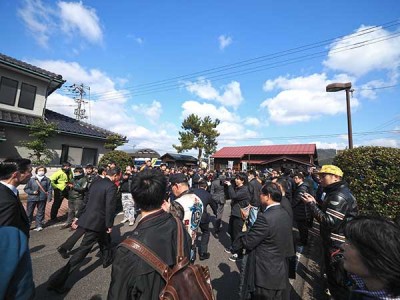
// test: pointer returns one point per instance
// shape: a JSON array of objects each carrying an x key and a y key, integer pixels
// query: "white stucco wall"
[{"x": 41, "y": 87}]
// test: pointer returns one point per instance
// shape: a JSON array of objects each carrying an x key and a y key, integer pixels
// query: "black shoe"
[
  {"x": 204, "y": 256},
  {"x": 65, "y": 226},
  {"x": 64, "y": 253},
  {"x": 58, "y": 290}
]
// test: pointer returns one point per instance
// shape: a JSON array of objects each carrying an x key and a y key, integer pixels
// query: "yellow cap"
[{"x": 331, "y": 169}]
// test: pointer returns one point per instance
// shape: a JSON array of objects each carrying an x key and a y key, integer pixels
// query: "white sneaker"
[
  {"x": 131, "y": 223},
  {"x": 38, "y": 228},
  {"x": 124, "y": 220}
]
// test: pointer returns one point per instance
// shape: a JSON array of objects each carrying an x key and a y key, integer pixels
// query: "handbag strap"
[
  {"x": 40, "y": 186},
  {"x": 179, "y": 241},
  {"x": 148, "y": 255},
  {"x": 152, "y": 259}
]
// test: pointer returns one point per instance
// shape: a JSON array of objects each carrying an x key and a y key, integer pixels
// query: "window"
[
  {"x": 27, "y": 96},
  {"x": 8, "y": 91},
  {"x": 78, "y": 155}
]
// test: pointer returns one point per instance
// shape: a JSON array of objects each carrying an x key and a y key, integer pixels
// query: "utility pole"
[{"x": 79, "y": 91}]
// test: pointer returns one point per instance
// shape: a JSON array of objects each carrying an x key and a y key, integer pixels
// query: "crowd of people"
[{"x": 361, "y": 253}]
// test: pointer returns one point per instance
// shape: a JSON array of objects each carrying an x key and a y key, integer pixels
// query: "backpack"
[{"x": 184, "y": 280}]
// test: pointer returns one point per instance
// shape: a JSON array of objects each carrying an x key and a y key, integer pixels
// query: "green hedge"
[
  {"x": 120, "y": 158},
  {"x": 374, "y": 177}
]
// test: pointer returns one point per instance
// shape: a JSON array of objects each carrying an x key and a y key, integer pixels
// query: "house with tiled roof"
[
  {"x": 179, "y": 160},
  {"x": 295, "y": 156},
  {"x": 24, "y": 89}
]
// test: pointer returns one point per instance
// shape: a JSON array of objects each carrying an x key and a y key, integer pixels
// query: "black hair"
[
  {"x": 11, "y": 165},
  {"x": 300, "y": 175},
  {"x": 252, "y": 172},
  {"x": 113, "y": 171},
  {"x": 203, "y": 184},
  {"x": 377, "y": 240},
  {"x": 89, "y": 166},
  {"x": 148, "y": 189},
  {"x": 66, "y": 164},
  {"x": 78, "y": 169},
  {"x": 242, "y": 176},
  {"x": 273, "y": 190},
  {"x": 101, "y": 169}
]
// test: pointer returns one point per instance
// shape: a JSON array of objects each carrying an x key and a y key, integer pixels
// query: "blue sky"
[{"x": 261, "y": 67}]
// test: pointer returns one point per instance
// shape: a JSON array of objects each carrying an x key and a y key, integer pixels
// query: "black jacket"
[
  {"x": 12, "y": 212},
  {"x": 301, "y": 211},
  {"x": 206, "y": 198},
  {"x": 271, "y": 239},
  {"x": 98, "y": 210},
  {"x": 338, "y": 207},
  {"x": 240, "y": 198},
  {"x": 255, "y": 190},
  {"x": 132, "y": 277}
]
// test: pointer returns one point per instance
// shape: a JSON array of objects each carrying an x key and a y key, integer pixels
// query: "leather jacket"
[{"x": 338, "y": 207}]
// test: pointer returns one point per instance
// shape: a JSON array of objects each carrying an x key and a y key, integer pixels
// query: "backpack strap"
[{"x": 148, "y": 256}]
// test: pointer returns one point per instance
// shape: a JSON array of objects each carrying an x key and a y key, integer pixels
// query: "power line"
[
  {"x": 241, "y": 64},
  {"x": 365, "y": 133},
  {"x": 263, "y": 67}
]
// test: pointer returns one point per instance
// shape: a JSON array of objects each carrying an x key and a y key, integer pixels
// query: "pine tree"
[
  {"x": 114, "y": 140},
  {"x": 200, "y": 134},
  {"x": 40, "y": 131}
]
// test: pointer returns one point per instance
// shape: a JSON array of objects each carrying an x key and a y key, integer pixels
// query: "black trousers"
[
  {"x": 73, "y": 239},
  {"x": 235, "y": 227},
  {"x": 303, "y": 226},
  {"x": 205, "y": 237},
  {"x": 265, "y": 294},
  {"x": 90, "y": 238},
  {"x": 58, "y": 198}
]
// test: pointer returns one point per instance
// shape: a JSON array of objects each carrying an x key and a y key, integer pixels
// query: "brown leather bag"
[{"x": 184, "y": 280}]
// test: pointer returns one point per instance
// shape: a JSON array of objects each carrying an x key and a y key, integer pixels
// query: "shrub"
[
  {"x": 373, "y": 174},
  {"x": 120, "y": 158}
]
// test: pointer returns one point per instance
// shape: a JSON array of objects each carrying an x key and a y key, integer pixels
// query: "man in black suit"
[
  {"x": 13, "y": 172},
  {"x": 270, "y": 238},
  {"x": 97, "y": 219},
  {"x": 207, "y": 199}
]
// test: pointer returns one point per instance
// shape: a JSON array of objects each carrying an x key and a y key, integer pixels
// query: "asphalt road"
[{"x": 91, "y": 281}]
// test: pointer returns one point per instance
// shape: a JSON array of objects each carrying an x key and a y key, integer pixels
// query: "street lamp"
[{"x": 336, "y": 87}]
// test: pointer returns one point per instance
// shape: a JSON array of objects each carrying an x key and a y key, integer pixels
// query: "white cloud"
[
  {"x": 152, "y": 111},
  {"x": 330, "y": 145},
  {"x": 251, "y": 121},
  {"x": 38, "y": 20},
  {"x": 232, "y": 132},
  {"x": 224, "y": 41},
  {"x": 45, "y": 21},
  {"x": 303, "y": 99},
  {"x": 109, "y": 109},
  {"x": 384, "y": 142},
  {"x": 139, "y": 41},
  {"x": 384, "y": 55},
  {"x": 77, "y": 18},
  {"x": 206, "y": 109},
  {"x": 266, "y": 142},
  {"x": 230, "y": 96}
]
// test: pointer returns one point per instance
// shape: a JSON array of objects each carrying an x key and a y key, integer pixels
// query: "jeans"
[{"x": 41, "y": 207}]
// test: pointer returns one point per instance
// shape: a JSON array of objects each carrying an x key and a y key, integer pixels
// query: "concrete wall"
[
  {"x": 41, "y": 87},
  {"x": 14, "y": 135}
]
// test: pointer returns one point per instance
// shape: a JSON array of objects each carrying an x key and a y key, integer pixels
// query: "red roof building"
[{"x": 261, "y": 157}]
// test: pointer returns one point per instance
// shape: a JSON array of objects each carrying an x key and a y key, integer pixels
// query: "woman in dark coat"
[{"x": 240, "y": 198}]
